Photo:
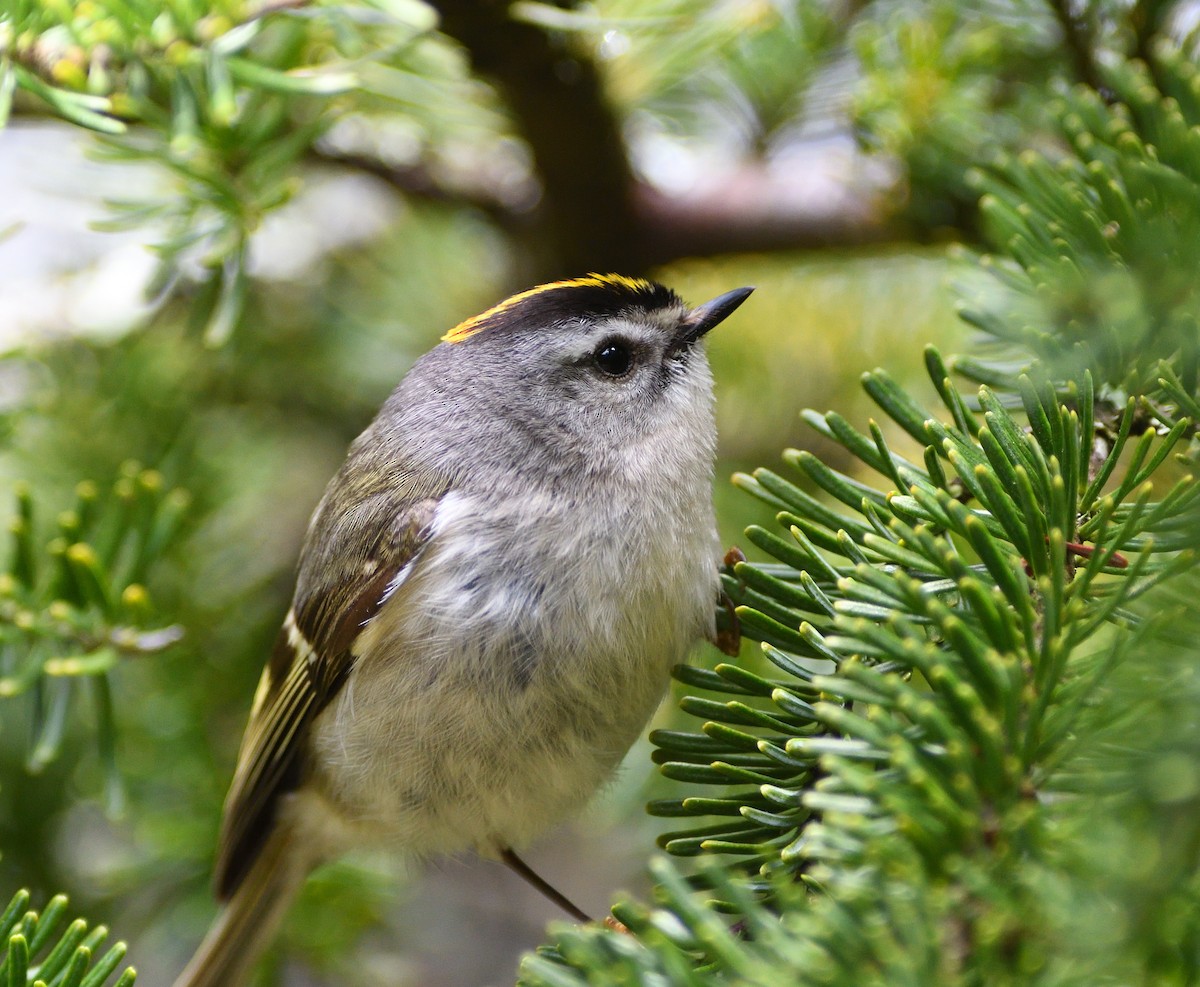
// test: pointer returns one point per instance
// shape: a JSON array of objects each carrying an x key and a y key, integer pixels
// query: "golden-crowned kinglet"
[{"x": 490, "y": 597}]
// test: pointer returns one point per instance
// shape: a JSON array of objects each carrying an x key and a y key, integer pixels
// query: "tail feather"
[{"x": 249, "y": 919}]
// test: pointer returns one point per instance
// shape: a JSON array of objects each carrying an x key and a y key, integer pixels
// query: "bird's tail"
[{"x": 249, "y": 919}]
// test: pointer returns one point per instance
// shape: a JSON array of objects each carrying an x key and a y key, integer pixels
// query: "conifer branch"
[
  {"x": 38, "y": 950},
  {"x": 934, "y": 643},
  {"x": 75, "y": 605}
]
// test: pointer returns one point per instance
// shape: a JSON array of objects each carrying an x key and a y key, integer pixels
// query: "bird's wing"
[{"x": 358, "y": 551}]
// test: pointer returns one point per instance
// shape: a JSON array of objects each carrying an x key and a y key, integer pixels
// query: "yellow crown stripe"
[{"x": 468, "y": 328}]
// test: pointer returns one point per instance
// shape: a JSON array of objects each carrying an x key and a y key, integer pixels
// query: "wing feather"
[{"x": 312, "y": 658}]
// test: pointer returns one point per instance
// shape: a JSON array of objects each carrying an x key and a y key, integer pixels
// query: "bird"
[{"x": 489, "y": 599}]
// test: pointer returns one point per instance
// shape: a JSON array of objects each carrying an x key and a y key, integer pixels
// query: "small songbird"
[{"x": 490, "y": 597}]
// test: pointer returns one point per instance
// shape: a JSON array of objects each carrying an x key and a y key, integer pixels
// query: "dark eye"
[{"x": 613, "y": 357}]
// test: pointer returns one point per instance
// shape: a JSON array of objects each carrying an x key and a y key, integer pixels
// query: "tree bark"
[{"x": 585, "y": 220}]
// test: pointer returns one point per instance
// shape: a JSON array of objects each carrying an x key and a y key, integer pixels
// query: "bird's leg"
[
  {"x": 518, "y": 866},
  {"x": 729, "y": 637}
]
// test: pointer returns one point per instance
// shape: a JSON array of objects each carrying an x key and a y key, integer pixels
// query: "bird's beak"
[{"x": 707, "y": 316}]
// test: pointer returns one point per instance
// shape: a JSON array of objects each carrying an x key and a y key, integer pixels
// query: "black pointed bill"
[{"x": 707, "y": 316}]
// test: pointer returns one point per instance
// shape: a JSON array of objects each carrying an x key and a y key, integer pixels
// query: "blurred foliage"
[
  {"x": 965, "y": 748},
  {"x": 230, "y": 99},
  {"x": 1100, "y": 240},
  {"x": 38, "y": 951},
  {"x": 947, "y": 86},
  {"x": 662, "y": 67},
  {"x": 71, "y": 610}
]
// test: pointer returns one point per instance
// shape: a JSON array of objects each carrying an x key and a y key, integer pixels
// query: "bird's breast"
[{"x": 516, "y": 663}]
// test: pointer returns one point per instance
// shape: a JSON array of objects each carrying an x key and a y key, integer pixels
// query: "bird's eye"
[{"x": 613, "y": 357}]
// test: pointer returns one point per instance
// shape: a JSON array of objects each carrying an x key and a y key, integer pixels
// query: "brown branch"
[
  {"x": 594, "y": 214},
  {"x": 1146, "y": 18},
  {"x": 586, "y": 219},
  {"x": 750, "y": 211},
  {"x": 417, "y": 182},
  {"x": 1077, "y": 38}
]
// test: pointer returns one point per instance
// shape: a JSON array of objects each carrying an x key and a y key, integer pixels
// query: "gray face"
[
  {"x": 551, "y": 395},
  {"x": 618, "y": 379},
  {"x": 595, "y": 396}
]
